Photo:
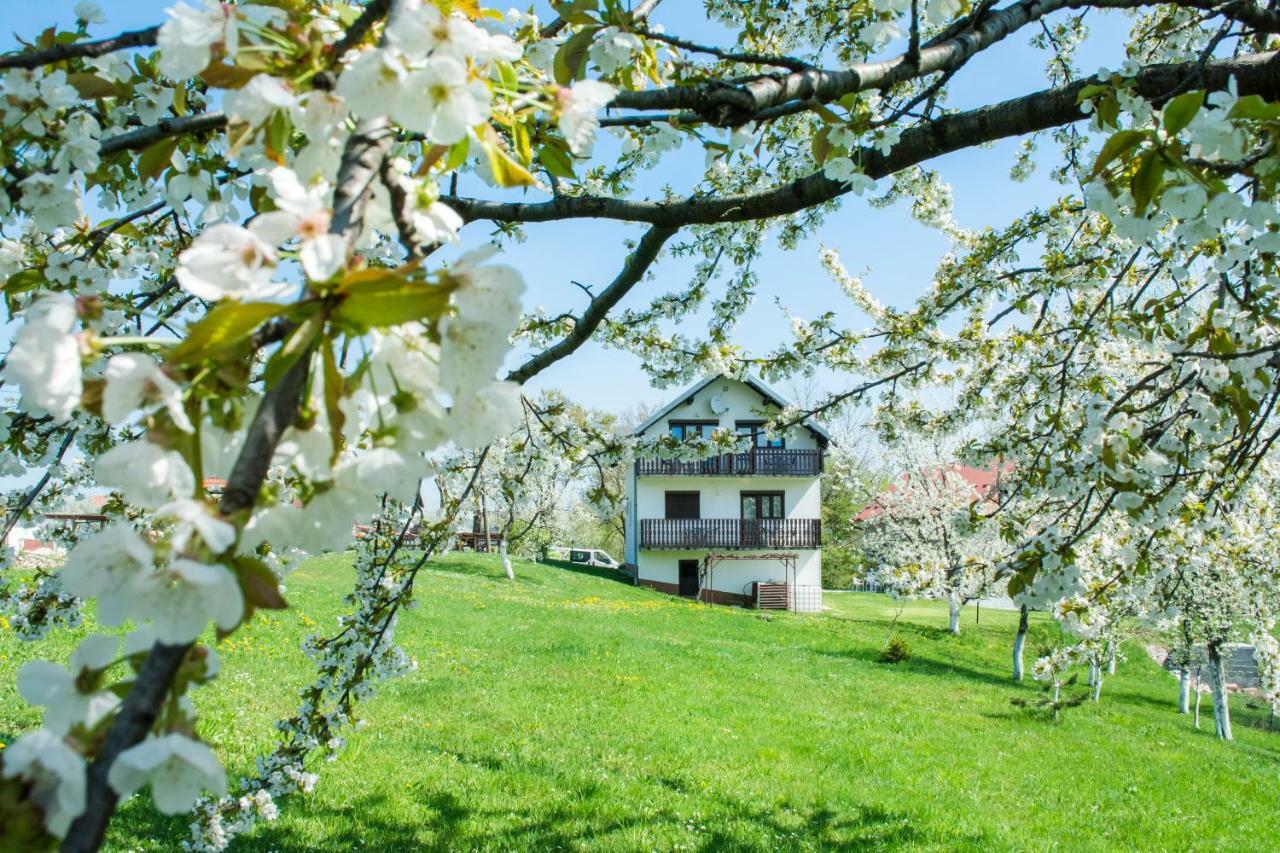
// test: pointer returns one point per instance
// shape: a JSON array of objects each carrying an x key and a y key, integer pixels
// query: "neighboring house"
[
  {"x": 739, "y": 528},
  {"x": 985, "y": 482}
]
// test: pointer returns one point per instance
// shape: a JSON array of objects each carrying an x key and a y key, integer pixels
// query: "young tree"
[
  {"x": 927, "y": 540},
  {"x": 220, "y": 238}
]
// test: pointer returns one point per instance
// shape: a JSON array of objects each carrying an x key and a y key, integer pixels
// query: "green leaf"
[
  {"x": 1254, "y": 107},
  {"x": 1146, "y": 179},
  {"x": 1108, "y": 110},
  {"x": 821, "y": 145},
  {"x": 571, "y": 59},
  {"x": 23, "y": 280},
  {"x": 92, "y": 86},
  {"x": 506, "y": 171},
  {"x": 154, "y": 160},
  {"x": 380, "y": 298},
  {"x": 220, "y": 75},
  {"x": 333, "y": 386},
  {"x": 295, "y": 347},
  {"x": 1118, "y": 145},
  {"x": 259, "y": 586},
  {"x": 1179, "y": 112},
  {"x": 222, "y": 330},
  {"x": 556, "y": 161},
  {"x": 520, "y": 141}
]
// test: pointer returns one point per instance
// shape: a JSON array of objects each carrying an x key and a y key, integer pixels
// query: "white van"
[{"x": 592, "y": 557}]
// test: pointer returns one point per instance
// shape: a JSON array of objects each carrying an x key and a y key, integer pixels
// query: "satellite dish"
[{"x": 718, "y": 405}]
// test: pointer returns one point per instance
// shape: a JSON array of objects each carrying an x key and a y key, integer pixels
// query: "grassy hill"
[{"x": 567, "y": 711}]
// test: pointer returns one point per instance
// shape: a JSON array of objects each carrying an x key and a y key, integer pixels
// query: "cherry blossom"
[
  {"x": 61, "y": 690},
  {"x": 133, "y": 381},
  {"x": 44, "y": 361},
  {"x": 176, "y": 767},
  {"x": 56, "y": 772}
]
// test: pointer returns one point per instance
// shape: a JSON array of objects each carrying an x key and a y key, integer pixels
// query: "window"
[
  {"x": 756, "y": 505},
  {"x": 692, "y": 429},
  {"x": 683, "y": 504},
  {"x": 759, "y": 438}
]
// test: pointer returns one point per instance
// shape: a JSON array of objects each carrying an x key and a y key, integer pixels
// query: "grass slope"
[{"x": 567, "y": 711}]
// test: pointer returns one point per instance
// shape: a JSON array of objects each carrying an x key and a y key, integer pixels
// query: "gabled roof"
[
  {"x": 751, "y": 382},
  {"x": 985, "y": 481}
]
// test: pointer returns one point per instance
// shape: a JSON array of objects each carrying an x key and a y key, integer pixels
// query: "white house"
[{"x": 740, "y": 528}]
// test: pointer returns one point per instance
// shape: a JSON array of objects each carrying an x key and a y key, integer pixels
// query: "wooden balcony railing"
[
  {"x": 759, "y": 461},
  {"x": 729, "y": 533}
]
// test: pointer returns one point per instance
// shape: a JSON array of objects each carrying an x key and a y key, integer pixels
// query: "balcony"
[
  {"x": 756, "y": 462},
  {"x": 676, "y": 534}
]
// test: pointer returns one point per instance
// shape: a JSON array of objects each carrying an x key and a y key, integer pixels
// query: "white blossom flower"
[
  {"x": 51, "y": 200},
  {"x": 90, "y": 13},
  {"x": 106, "y": 565},
  {"x": 177, "y": 768},
  {"x": 579, "y": 107},
  {"x": 304, "y": 214},
  {"x": 421, "y": 28},
  {"x": 442, "y": 101},
  {"x": 56, "y": 773},
  {"x": 232, "y": 262},
  {"x": 612, "y": 48},
  {"x": 181, "y": 599},
  {"x": 476, "y": 419},
  {"x": 194, "y": 519},
  {"x": 58, "y": 689},
  {"x": 258, "y": 99},
  {"x": 374, "y": 82},
  {"x": 134, "y": 380},
  {"x": 44, "y": 361},
  {"x": 843, "y": 170},
  {"x": 187, "y": 39},
  {"x": 435, "y": 222},
  {"x": 145, "y": 473}
]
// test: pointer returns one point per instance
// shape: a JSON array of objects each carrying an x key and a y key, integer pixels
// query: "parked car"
[{"x": 586, "y": 557}]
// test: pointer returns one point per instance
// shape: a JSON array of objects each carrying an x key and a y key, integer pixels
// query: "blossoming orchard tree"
[
  {"x": 220, "y": 239},
  {"x": 927, "y": 539}
]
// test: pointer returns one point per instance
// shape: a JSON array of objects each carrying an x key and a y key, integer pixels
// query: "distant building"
[{"x": 740, "y": 528}]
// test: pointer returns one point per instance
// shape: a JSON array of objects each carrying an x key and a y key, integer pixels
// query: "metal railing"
[
  {"x": 691, "y": 533},
  {"x": 759, "y": 461}
]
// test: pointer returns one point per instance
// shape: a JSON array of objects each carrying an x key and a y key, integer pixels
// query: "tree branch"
[
  {"x": 729, "y": 104},
  {"x": 632, "y": 271},
  {"x": 99, "y": 47},
  {"x": 1256, "y": 74}
]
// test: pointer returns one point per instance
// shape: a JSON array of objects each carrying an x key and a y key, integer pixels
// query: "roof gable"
[{"x": 751, "y": 382}]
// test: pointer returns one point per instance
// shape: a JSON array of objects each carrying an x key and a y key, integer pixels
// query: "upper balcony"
[
  {"x": 674, "y": 534},
  {"x": 756, "y": 462}
]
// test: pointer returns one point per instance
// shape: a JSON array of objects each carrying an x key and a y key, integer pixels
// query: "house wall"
[
  {"x": 734, "y": 577},
  {"x": 720, "y": 498}
]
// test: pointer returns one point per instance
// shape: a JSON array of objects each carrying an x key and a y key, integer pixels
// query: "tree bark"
[
  {"x": 953, "y": 614},
  {"x": 1184, "y": 690},
  {"x": 1019, "y": 641},
  {"x": 506, "y": 558},
  {"x": 1218, "y": 683}
]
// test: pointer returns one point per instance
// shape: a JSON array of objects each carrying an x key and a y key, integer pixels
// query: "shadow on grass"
[{"x": 450, "y": 823}]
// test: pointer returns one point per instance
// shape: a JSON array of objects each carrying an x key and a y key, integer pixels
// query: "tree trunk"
[
  {"x": 1218, "y": 683},
  {"x": 484, "y": 519},
  {"x": 1097, "y": 681},
  {"x": 1198, "y": 694},
  {"x": 953, "y": 616},
  {"x": 1184, "y": 690},
  {"x": 1111, "y": 658},
  {"x": 506, "y": 558},
  {"x": 1019, "y": 641}
]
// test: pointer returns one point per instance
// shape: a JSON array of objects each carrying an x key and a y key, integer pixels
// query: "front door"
[{"x": 689, "y": 577}]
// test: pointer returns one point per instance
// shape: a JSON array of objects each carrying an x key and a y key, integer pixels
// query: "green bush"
[{"x": 896, "y": 650}]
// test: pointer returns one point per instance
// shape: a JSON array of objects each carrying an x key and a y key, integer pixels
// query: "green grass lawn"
[{"x": 567, "y": 711}]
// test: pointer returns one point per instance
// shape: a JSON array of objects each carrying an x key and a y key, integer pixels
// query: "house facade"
[{"x": 739, "y": 528}]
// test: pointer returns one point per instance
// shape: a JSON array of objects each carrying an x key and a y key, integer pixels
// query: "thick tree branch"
[
  {"x": 632, "y": 271},
  {"x": 1257, "y": 74},
  {"x": 99, "y": 47},
  {"x": 734, "y": 104}
]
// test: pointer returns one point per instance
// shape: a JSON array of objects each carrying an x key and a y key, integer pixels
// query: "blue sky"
[{"x": 896, "y": 254}]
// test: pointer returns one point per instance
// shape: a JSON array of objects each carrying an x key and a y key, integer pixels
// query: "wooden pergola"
[{"x": 706, "y": 575}]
